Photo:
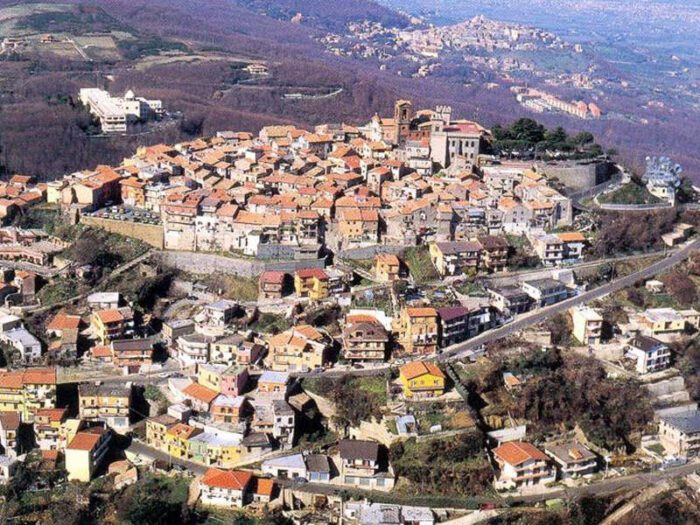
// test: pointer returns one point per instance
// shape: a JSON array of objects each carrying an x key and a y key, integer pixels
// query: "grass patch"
[
  {"x": 630, "y": 193},
  {"x": 233, "y": 287},
  {"x": 269, "y": 323},
  {"x": 419, "y": 264},
  {"x": 453, "y": 465},
  {"x": 57, "y": 291}
]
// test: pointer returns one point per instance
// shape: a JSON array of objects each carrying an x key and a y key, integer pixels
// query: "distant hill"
[{"x": 192, "y": 56}]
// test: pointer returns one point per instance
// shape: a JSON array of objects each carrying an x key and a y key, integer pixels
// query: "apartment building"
[
  {"x": 520, "y": 464},
  {"x": 364, "y": 339},
  {"x": 587, "y": 325},
  {"x": 417, "y": 331}
]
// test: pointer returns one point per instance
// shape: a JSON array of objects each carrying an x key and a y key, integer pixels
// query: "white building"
[
  {"x": 28, "y": 346},
  {"x": 521, "y": 465},
  {"x": 116, "y": 113},
  {"x": 650, "y": 354},
  {"x": 225, "y": 488}
]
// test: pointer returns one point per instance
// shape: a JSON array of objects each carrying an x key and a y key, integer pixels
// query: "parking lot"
[{"x": 124, "y": 213}]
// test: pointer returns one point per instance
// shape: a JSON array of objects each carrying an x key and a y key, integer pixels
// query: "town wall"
[{"x": 149, "y": 233}]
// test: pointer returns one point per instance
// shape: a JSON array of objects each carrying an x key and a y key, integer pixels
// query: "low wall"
[
  {"x": 149, "y": 233},
  {"x": 368, "y": 252},
  {"x": 205, "y": 263}
]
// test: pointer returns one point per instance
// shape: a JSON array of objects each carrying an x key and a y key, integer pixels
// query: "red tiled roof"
[{"x": 227, "y": 479}]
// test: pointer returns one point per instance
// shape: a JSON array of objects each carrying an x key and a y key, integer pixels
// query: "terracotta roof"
[
  {"x": 39, "y": 376},
  {"x": 64, "y": 322},
  {"x": 571, "y": 236},
  {"x": 101, "y": 351},
  {"x": 109, "y": 316},
  {"x": 264, "y": 486},
  {"x": 307, "y": 273},
  {"x": 227, "y": 479},
  {"x": 419, "y": 368},
  {"x": 200, "y": 392},
  {"x": 516, "y": 453},
  {"x": 85, "y": 441},
  {"x": 421, "y": 312},
  {"x": 272, "y": 277}
]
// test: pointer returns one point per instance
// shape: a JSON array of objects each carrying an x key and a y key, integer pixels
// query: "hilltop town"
[{"x": 416, "y": 320}]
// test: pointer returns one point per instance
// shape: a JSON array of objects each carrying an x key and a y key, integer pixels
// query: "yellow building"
[
  {"x": 588, "y": 325},
  {"x": 110, "y": 404},
  {"x": 177, "y": 440},
  {"x": 417, "y": 331},
  {"x": 387, "y": 267},
  {"x": 421, "y": 380},
  {"x": 659, "y": 321},
  {"x": 298, "y": 349},
  {"x": 156, "y": 429},
  {"x": 85, "y": 453},
  {"x": 26, "y": 391},
  {"x": 210, "y": 376},
  {"x": 109, "y": 324},
  {"x": 311, "y": 283}
]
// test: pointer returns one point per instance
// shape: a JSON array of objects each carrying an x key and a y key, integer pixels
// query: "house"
[
  {"x": 454, "y": 324},
  {"x": 509, "y": 300},
  {"x": 680, "y": 433},
  {"x": 47, "y": 426},
  {"x": 588, "y": 325},
  {"x": 661, "y": 321},
  {"x": 358, "y": 226},
  {"x": 521, "y": 465},
  {"x": 263, "y": 490},
  {"x": 156, "y": 429},
  {"x": 387, "y": 267},
  {"x": 417, "y": 331},
  {"x": 229, "y": 410},
  {"x": 86, "y": 452},
  {"x": 650, "y": 354},
  {"x": 545, "y": 292},
  {"x": 494, "y": 254},
  {"x": 174, "y": 328},
  {"x": 360, "y": 465},
  {"x": 225, "y": 488},
  {"x": 549, "y": 248},
  {"x": 130, "y": 355},
  {"x": 286, "y": 467},
  {"x": 200, "y": 396},
  {"x": 455, "y": 258},
  {"x": 220, "y": 314},
  {"x": 573, "y": 244},
  {"x": 299, "y": 349},
  {"x": 273, "y": 383},
  {"x": 193, "y": 348},
  {"x": 654, "y": 286},
  {"x": 107, "y": 403},
  {"x": 318, "y": 468},
  {"x": 28, "y": 346},
  {"x": 274, "y": 285},
  {"x": 421, "y": 380},
  {"x": 104, "y": 300},
  {"x": 364, "y": 339},
  {"x": 572, "y": 460},
  {"x": 26, "y": 391},
  {"x": 9, "y": 428},
  {"x": 235, "y": 350},
  {"x": 311, "y": 283},
  {"x": 112, "y": 324}
]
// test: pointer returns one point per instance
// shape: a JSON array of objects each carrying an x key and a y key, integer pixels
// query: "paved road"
[
  {"x": 461, "y": 350},
  {"x": 467, "y": 348},
  {"x": 608, "y": 486}
]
